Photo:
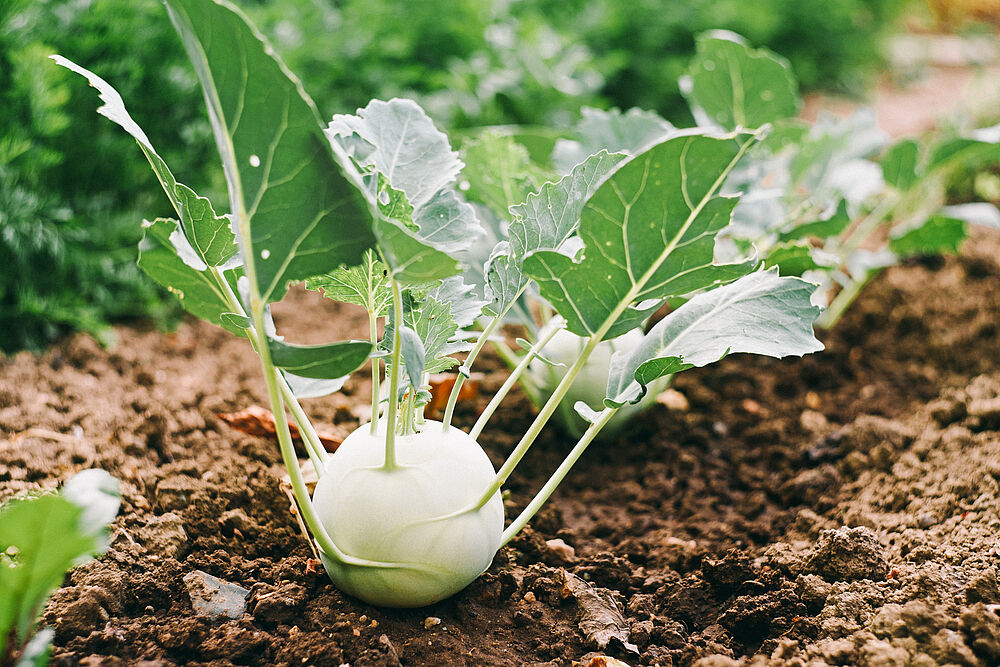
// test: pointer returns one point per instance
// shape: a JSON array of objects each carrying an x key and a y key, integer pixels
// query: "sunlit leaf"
[{"x": 761, "y": 313}]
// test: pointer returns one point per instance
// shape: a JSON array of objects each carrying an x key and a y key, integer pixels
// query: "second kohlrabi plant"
[{"x": 408, "y": 511}]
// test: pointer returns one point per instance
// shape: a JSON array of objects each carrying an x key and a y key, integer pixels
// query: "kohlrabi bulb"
[
  {"x": 590, "y": 385},
  {"x": 393, "y": 515}
]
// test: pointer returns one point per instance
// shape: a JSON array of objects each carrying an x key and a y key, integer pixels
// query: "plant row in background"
[{"x": 469, "y": 63}]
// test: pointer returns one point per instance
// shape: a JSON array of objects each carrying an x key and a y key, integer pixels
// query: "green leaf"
[
  {"x": 203, "y": 239},
  {"x": 731, "y": 85},
  {"x": 792, "y": 258},
  {"x": 648, "y": 233},
  {"x": 498, "y": 172},
  {"x": 367, "y": 285},
  {"x": 761, "y": 313},
  {"x": 410, "y": 169},
  {"x": 899, "y": 164},
  {"x": 304, "y": 216},
  {"x": 939, "y": 234},
  {"x": 414, "y": 357},
  {"x": 41, "y": 537},
  {"x": 322, "y": 362},
  {"x": 616, "y": 132},
  {"x": 544, "y": 222},
  {"x": 197, "y": 290},
  {"x": 834, "y": 225},
  {"x": 466, "y": 306}
]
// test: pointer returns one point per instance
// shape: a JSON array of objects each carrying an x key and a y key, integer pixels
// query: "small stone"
[
  {"x": 431, "y": 621},
  {"x": 814, "y": 422},
  {"x": 215, "y": 597},
  {"x": 673, "y": 400},
  {"x": 560, "y": 551},
  {"x": 813, "y": 401}
]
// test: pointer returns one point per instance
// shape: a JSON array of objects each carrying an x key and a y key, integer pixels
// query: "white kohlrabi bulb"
[{"x": 391, "y": 515}]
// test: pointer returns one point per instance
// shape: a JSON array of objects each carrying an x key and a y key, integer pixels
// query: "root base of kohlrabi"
[{"x": 391, "y": 516}]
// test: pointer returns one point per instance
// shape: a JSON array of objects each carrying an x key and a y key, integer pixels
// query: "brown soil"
[{"x": 837, "y": 509}]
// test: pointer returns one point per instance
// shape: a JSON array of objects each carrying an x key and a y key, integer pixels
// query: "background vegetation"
[{"x": 73, "y": 188}]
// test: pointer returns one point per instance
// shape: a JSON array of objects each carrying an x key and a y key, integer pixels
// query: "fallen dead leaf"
[
  {"x": 259, "y": 422},
  {"x": 601, "y": 619}
]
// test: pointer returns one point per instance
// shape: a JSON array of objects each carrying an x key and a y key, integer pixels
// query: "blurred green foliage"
[{"x": 71, "y": 183}]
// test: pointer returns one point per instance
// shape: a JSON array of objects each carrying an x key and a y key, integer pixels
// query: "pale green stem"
[
  {"x": 509, "y": 357},
  {"x": 536, "y": 426},
  {"x": 557, "y": 477},
  {"x": 393, "y": 373},
  {"x": 855, "y": 237},
  {"x": 555, "y": 325},
  {"x": 376, "y": 367},
  {"x": 314, "y": 448},
  {"x": 845, "y": 297},
  {"x": 456, "y": 388}
]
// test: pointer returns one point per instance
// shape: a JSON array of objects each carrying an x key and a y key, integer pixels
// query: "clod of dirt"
[
  {"x": 983, "y": 589},
  {"x": 848, "y": 554},
  {"x": 215, "y": 597},
  {"x": 982, "y": 628},
  {"x": 163, "y": 535},
  {"x": 278, "y": 606},
  {"x": 601, "y": 619}
]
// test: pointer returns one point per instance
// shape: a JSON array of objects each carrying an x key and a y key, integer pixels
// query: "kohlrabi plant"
[
  {"x": 368, "y": 208},
  {"x": 41, "y": 538},
  {"x": 833, "y": 200}
]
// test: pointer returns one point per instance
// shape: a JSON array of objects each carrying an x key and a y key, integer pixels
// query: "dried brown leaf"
[
  {"x": 259, "y": 422},
  {"x": 601, "y": 619}
]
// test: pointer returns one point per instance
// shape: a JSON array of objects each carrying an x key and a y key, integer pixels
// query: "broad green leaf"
[
  {"x": 366, "y": 285},
  {"x": 202, "y": 239},
  {"x": 400, "y": 142},
  {"x": 466, "y": 306},
  {"x": 544, "y": 222},
  {"x": 197, "y": 290},
  {"x": 304, "y": 216},
  {"x": 731, "y": 85},
  {"x": 761, "y": 313},
  {"x": 899, "y": 164},
  {"x": 648, "y": 233},
  {"x": 959, "y": 152},
  {"x": 321, "y": 362},
  {"x": 831, "y": 150},
  {"x": 498, "y": 172},
  {"x": 409, "y": 171},
  {"x": 432, "y": 316},
  {"x": 939, "y": 234},
  {"x": 311, "y": 387},
  {"x": 616, "y": 132}
]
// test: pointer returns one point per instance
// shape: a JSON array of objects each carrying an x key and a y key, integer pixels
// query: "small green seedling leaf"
[
  {"x": 834, "y": 225},
  {"x": 414, "y": 356},
  {"x": 304, "y": 217},
  {"x": 303, "y": 387},
  {"x": 648, "y": 233},
  {"x": 197, "y": 291},
  {"x": 616, "y": 132},
  {"x": 793, "y": 258},
  {"x": 320, "y": 362},
  {"x": 761, "y": 313},
  {"x": 41, "y": 537},
  {"x": 366, "y": 285},
  {"x": 731, "y": 85}
]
